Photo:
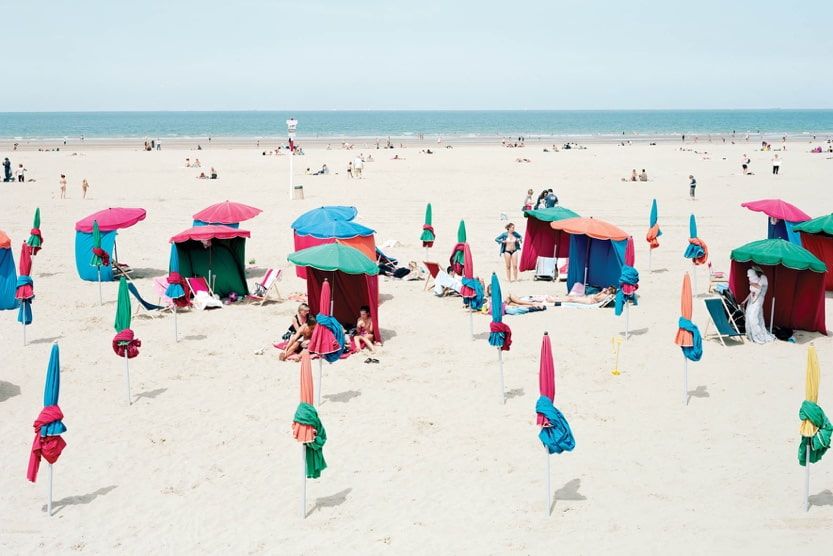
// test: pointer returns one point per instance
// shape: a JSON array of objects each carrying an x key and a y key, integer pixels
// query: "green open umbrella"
[
  {"x": 35, "y": 240},
  {"x": 335, "y": 256}
]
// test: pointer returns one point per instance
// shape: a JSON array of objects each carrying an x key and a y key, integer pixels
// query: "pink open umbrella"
[
  {"x": 227, "y": 212},
  {"x": 323, "y": 341},
  {"x": 778, "y": 208}
]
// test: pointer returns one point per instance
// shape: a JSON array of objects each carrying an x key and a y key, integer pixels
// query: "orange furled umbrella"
[
  {"x": 305, "y": 433},
  {"x": 684, "y": 338},
  {"x": 688, "y": 335}
]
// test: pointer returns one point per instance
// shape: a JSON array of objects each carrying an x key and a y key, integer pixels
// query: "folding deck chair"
[
  {"x": 266, "y": 286},
  {"x": 717, "y": 280},
  {"x": 433, "y": 269},
  {"x": 198, "y": 284},
  {"x": 144, "y": 308},
  {"x": 722, "y": 318}
]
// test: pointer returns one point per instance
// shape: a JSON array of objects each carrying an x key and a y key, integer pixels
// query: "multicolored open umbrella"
[
  {"x": 24, "y": 291},
  {"x": 653, "y": 232},
  {"x": 49, "y": 425},
  {"x": 816, "y": 429},
  {"x": 427, "y": 236},
  {"x": 100, "y": 257},
  {"x": 305, "y": 434},
  {"x": 327, "y": 340},
  {"x": 35, "y": 241},
  {"x": 125, "y": 344},
  {"x": 688, "y": 335},
  {"x": 500, "y": 335}
]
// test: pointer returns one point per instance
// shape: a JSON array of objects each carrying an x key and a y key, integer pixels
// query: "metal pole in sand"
[
  {"x": 502, "y": 388},
  {"x": 303, "y": 482},
  {"x": 127, "y": 376},
  {"x": 49, "y": 500}
]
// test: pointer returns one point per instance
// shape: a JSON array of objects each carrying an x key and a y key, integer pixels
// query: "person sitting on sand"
[
  {"x": 202, "y": 176},
  {"x": 523, "y": 160},
  {"x": 643, "y": 176},
  {"x": 323, "y": 171},
  {"x": 363, "y": 336},
  {"x": 187, "y": 162},
  {"x": 213, "y": 173},
  {"x": 298, "y": 321},
  {"x": 196, "y": 163},
  {"x": 298, "y": 341},
  {"x": 397, "y": 157},
  {"x": 633, "y": 177}
]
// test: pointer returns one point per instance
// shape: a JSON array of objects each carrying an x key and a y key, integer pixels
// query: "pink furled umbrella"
[
  {"x": 468, "y": 271},
  {"x": 630, "y": 253},
  {"x": 777, "y": 208},
  {"x": 227, "y": 212},
  {"x": 546, "y": 388},
  {"x": 322, "y": 341}
]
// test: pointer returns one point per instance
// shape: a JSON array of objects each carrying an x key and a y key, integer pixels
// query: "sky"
[{"x": 396, "y": 54}]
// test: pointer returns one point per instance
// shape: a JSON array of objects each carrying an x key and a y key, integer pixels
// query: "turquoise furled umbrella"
[
  {"x": 500, "y": 336},
  {"x": 174, "y": 289}
]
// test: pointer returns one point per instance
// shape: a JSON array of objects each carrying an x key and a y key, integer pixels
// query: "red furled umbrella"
[
  {"x": 24, "y": 291},
  {"x": 468, "y": 272},
  {"x": 227, "y": 212},
  {"x": 322, "y": 341}
]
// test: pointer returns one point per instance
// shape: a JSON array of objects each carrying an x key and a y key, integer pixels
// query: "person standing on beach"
[
  {"x": 21, "y": 173},
  {"x": 744, "y": 163},
  {"x": 350, "y": 169},
  {"x": 692, "y": 186},
  {"x": 530, "y": 199},
  {"x": 776, "y": 165},
  {"x": 358, "y": 166},
  {"x": 63, "y": 185},
  {"x": 7, "y": 169},
  {"x": 510, "y": 245},
  {"x": 85, "y": 185}
]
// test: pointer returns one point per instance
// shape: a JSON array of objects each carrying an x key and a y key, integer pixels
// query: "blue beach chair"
[{"x": 722, "y": 319}]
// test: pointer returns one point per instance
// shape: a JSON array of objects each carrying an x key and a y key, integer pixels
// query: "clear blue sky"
[{"x": 454, "y": 54}]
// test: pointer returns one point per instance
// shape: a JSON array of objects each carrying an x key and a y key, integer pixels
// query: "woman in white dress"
[{"x": 755, "y": 327}]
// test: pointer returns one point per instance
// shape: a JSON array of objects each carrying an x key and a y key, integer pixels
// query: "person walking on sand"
[
  {"x": 85, "y": 185},
  {"x": 358, "y": 166},
  {"x": 744, "y": 164},
  {"x": 63, "y": 184},
  {"x": 692, "y": 186},
  {"x": 776, "y": 165}
]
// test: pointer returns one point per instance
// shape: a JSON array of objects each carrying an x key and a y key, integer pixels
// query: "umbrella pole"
[
  {"x": 694, "y": 275},
  {"x": 176, "y": 331},
  {"x": 320, "y": 371},
  {"x": 685, "y": 380},
  {"x": 49, "y": 499},
  {"x": 99, "y": 286},
  {"x": 127, "y": 376},
  {"x": 650, "y": 252},
  {"x": 502, "y": 387},
  {"x": 471, "y": 323},
  {"x": 806, "y": 476},
  {"x": 303, "y": 482},
  {"x": 24, "y": 333},
  {"x": 772, "y": 315},
  {"x": 549, "y": 484},
  {"x": 627, "y": 318}
]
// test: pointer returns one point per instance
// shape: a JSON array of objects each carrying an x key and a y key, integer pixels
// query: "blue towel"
[
  {"x": 629, "y": 276},
  {"x": 558, "y": 437},
  {"x": 474, "y": 303},
  {"x": 695, "y": 352},
  {"x": 338, "y": 331},
  {"x": 496, "y": 339},
  {"x": 693, "y": 251}
]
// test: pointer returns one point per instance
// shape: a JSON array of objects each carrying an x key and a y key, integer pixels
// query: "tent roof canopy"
[
  {"x": 776, "y": 208},
  {"x": 551, "y": 214},
  {"x": 204, "y": 233},
  {"x": 597, "y": 229},
  {"x": 772, "y": 252},
  {"x": 227, "y": 212},
  {"x": 111, "y": 219},
  {"x": 341, "y": 229},
  {"x": 820, "y": 225},
  {"x": 323, "y": 214},
  {"x": 335, "y": 256}
]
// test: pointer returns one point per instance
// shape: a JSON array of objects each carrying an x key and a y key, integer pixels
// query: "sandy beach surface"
[{"x": 423, "y": 457}]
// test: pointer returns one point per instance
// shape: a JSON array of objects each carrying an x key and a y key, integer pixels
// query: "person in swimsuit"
[
  {"x": 299, "y": 341},
  {"x": 63, "y": 184},
  {"x": 364, "y": 331},
  {"x": 298, "y": 320},
  {"x": 510, "y": 246},
  {"x": 530, "y": 199}
]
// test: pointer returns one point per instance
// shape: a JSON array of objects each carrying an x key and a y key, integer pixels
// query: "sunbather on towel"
[
  {"x": 446, "y": 284},
  {"x": 584, "y": 299},
  {"x": 512, "y": 305},
  {"x": 298, "y": 342}
]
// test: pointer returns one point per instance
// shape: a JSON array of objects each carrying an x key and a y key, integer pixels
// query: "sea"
[{"x": 413, "y": 124}]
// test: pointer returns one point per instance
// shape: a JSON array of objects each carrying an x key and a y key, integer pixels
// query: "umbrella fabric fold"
[
  {"x": 811, "y": 387},
  {"x": 35, "y": 241},
  {"x": 653, "y": 227},
  {"x": 469, "y": 290},
  {"x": 820, "y": 441},
  {"x": 628, "y": 284},
  {"x": 556, "y": 436},
  {"x": 696, "y": 250},
  {"x": 694, "y": 352},
  {"x": 126, "y": 341},
  {"x": 24, "y": 290},
  {"x": 329, "y": 341},
  {"x": 306, "y": 414},
  {"x": 100, "y": 256},
  {"x": 48, "y": 447},
  {"x": 500, "y": 335},
  {"x": 175, "y": 288},
  {"x": 688, "y": 335}
]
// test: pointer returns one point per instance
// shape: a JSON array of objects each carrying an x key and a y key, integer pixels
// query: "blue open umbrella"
[{"x": 500, "y": 336}]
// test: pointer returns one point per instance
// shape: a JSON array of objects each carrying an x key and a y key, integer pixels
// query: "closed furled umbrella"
[
  {"x": 816, "y": 429},
  {"x": 469, "y": 290},
  {"x": 100, "y": 256},
  {"x": 49, "y": 426},
  {"x": 628, "y": 284},
  {"x": 500, "y": 335},
  {"x": 174, "y": 290},
  {"x": 125, "y": 344},
  {"x": 653, "y": 232},
  {"x": 697, "y": 250},
  {"x": 35, "y": 241},
  {"x": 327, "y": 340},
  {"x": 555, "y": 433},
  {"x": 457, "y": 258},
  {"x": 304, "y": 433},
  {"x": 427, "y": 236},
  {"x": 688, "y": 335},
  {"x": 25, "y": 292}
]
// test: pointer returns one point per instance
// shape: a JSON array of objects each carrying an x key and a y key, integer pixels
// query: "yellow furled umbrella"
[{"x": 811, "y": 388}]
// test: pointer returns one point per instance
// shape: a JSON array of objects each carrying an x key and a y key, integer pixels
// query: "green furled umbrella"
[
  {"x": 35, "y": 240},
  {"x": 772, "y": 252},
  {"x": 820, "y": 225},
  {"x": 461, "y": 232},
  {"x": 427, "y": 236},
  {"x": 335, "y": 256},
  {"x": 123, "y": 307},
  {"x": 124, "y": 340},
  {"x": 97, "y": 260}
]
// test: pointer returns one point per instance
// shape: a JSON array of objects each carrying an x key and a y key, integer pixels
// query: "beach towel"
[
  {"x": 693, "y": 352},
  {"x": 331, "y": 324},
  {"x": 474, "y": 303},
  {"x": 307, "y": 415},
  {"x": 444, "y": 281},
  {"x": 697, "y": 251},
  {"x": 819, "y": 442},
  {"x": 628, "y": 284},
  {"x": 125, "y": 341},
  {"x": 555, "y": 435},
  {"x": 500, "y": 335},
  {"x": 48, "y": 447}
]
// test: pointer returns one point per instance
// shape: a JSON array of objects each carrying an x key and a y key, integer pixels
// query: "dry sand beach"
[{"x": 422, "y": 456}]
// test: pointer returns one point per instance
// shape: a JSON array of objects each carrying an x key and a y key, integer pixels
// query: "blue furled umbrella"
[
  {"x": 51, "y": 392},
  {"x": 500, "y": 336},
  {"x": 693, "y": 251},
  {"x": 654, "y": 217}
]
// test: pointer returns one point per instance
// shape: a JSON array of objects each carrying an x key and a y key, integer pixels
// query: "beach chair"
[
  {"x": 433, "y": 269},
  {"x": 545, "y": 269},
  {"x": 266, "y": 285},
  {"x": 717, "y": 280},
  {"x": 121, "y": 269},
  {"x": 199, "y": 285},
  {"x": 722, "y": 319},
  {"x": 144, "y": 308}
]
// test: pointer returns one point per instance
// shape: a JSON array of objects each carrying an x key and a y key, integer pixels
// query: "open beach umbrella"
[
  {"x": 49, "y": 426},
  {"x": 35, "y": 241},
  {"x": 100, "y": 256},
  {"x": 688, "y": 335},
  {"x": 816, "y": 429},
  {"x": 555, "y": 433},
  {"x": 175, "y": 291},
  {"x": 427, "y": 236},
  {"x": 24, "y": 291},
  {"x": 500, "y": 335},
  {"x": 696, "y": 250},
  {"x": 327, "y": 340},
  {"x": 227, "y": 212},
  {"x": 653, "y": 231},
  {"x": 783, "y": 217},
  {"x": 304, "y": 433},
  {"x": 628, "y": 284},
  {"x": 125, "y": 344}
]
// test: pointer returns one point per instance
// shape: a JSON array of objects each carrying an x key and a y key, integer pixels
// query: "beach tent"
[
  {"x": 109, "y": 221},
  {"x": 215, "y": 252},
  {"x": 227, "y": 213},
  {"x": 783, "y": 218},
  {"x": 597, "y": 251},
  {"x": 541, "y": 239},
  {"x": 353, "y": 281},
  {"x": 329, "y": 224},
  {"x": 817, "y": 238},
  {"x": 796, "y": 282},
  {"x": 8, "y": 274}
]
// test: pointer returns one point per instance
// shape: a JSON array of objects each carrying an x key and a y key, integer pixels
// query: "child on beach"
[
  {"x": 530, "y": 198},
  {"x": 85, "y": 185},
  {"x": 63, "y": 185}
]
